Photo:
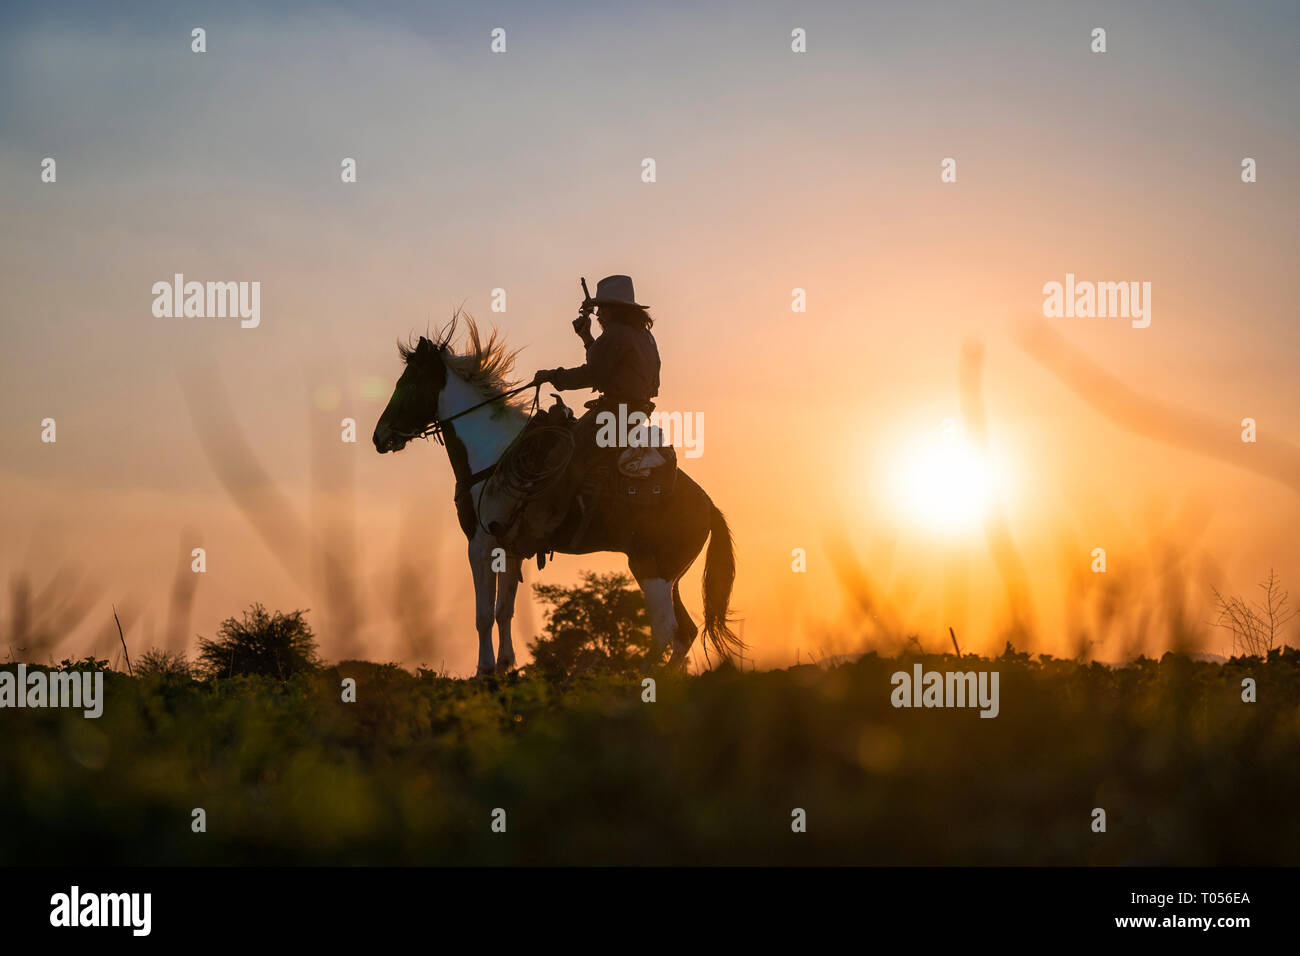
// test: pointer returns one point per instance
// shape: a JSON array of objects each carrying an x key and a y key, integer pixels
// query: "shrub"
[
  {"x": 269, "y": 645},
  {"x": 89, "y": 663},
  {"x": 1257, "y": 628},
  {"x": 164, "y": 665},
  {"x": 600, "y": 625}
]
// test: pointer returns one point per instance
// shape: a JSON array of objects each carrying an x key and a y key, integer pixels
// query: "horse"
[{"x": 465, "y": 399}]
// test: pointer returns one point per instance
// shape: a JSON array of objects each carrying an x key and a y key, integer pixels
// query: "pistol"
[{"x": 584, "y": 316}]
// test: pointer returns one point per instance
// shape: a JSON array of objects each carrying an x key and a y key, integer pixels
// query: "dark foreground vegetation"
[{"x": 708, "y": 773}]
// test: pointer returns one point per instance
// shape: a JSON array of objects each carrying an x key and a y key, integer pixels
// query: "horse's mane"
[{"x": 484, "y": 363}]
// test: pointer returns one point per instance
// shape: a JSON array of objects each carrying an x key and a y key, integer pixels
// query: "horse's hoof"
[
  {"x": 484, "y": 671},
  {"x": 505, "y": 665}
]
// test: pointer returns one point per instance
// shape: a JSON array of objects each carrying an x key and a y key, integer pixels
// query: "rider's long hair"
[{"x": 632, "y": 315}]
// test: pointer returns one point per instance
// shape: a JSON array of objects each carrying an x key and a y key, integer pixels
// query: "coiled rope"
[
  {"x": 530, "y": 464},
  {"x": 534, "y": 460}
]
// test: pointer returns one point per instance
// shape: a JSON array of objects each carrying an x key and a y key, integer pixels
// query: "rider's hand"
[
  {"x": 582, "y": 324},
  {"x": 542, "y": 377}
]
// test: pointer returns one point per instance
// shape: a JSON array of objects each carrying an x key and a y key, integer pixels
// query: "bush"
[
  {"x": 278, "y": 645},
  {"x": 601, "y": 625},
  {"x": 1257, "y": 628},
  {"x": 90, "y": 663},
  {"x": 164, "y": 665}
]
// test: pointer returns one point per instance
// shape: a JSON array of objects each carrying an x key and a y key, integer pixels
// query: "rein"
[
  {"x": 525, "y": 481},
  {"x": 434, "y": 428}
]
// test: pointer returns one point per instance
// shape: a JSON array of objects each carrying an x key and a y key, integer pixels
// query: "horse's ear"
[{"x": 423, "y": 346}]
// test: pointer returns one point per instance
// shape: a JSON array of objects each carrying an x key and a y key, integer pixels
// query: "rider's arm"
[
  {"x": 582, "y": 325},
  {"x": 602, "y": 354},
  {"x": 567, "y": 378}
]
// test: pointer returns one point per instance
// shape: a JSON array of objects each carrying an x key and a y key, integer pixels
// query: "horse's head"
[{"x": 414, "y": 404}]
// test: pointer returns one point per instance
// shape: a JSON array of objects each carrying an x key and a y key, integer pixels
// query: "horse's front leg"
[
  {"x": 485, "y": 588},
  {"x": 507, "y": 586}
]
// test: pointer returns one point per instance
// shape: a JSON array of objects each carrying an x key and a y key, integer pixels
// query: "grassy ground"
[{"x": 709, "y": 773}]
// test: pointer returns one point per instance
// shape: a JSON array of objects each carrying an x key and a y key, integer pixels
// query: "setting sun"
[{"x": 943, "y": 482}]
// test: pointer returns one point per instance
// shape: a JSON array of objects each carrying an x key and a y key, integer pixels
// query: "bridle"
[
  {"x": 522, "y": 480},
  {"x": 434, "y": 428}
]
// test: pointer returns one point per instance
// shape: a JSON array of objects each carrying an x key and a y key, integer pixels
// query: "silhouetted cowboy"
[{"x": 622, "y": 365}]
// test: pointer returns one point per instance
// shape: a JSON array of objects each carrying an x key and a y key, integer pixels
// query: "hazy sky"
[{"x": 775, "y": 170}]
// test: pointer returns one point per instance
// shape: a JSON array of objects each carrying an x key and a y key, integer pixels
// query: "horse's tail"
[{"x": 719, "y": 575}]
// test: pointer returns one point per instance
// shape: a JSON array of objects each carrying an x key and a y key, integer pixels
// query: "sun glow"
[{"x": 942, "y": 482}]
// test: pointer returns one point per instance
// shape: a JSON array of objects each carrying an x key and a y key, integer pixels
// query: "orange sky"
[{"x": 775, "y": 171}]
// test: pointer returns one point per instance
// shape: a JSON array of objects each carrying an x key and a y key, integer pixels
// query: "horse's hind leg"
[
  {"x": 684, "y": 635},
  {"x": 659, "y": 605}
]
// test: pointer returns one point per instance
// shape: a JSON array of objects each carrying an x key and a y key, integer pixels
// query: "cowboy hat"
[{"x": 616, "y": 290}]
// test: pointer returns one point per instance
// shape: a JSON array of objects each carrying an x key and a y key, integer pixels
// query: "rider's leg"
[
  {"x": 584, "y": 454},
  {"x": 584, "y": 438},
  {"x": 560, "y": 496}
]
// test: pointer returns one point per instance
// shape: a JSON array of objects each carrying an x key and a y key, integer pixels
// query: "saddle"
[
  {"x": 594, "y": 485},
  {"x": 645, "y": 476}
]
